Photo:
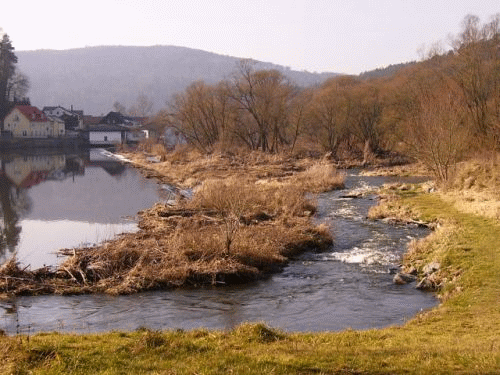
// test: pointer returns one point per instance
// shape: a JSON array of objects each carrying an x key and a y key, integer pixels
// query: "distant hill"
[{"x": 93, "y": 78}]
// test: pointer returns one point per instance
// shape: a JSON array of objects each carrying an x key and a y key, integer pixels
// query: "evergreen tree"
[{"x": 7, "y": 70}]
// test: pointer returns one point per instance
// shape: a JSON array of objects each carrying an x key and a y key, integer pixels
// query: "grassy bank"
[
  {"x": 248, "y": 216},
  {"x": 459, "y": 336}
]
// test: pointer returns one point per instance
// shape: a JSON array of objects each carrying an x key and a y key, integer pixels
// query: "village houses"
[
  {"x": 73, "y": 120},
  {"x": 115, "y": 128},
  {"x": 29, "y": 122},
  {"x": 26, "y": 121}
]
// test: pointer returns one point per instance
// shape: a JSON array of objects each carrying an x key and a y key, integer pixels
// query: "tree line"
[{"x": 436, "y": 110}]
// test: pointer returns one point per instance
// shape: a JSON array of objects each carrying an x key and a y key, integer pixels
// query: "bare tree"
[
  {"x": 119, "y": 107},
  {"x": 476, "y": 69},
  {"x": 203, "y": 114},
  {"x": 346, "y": 108},
  {"x": 298, "y": 115},
  {"x": 17, "y": 87},
  {"x": 143, "y": 107},
  {"x": 365, "y": 112},
  {"x": 264, "y": 96},
  {"x": 328, "y": 115},
  {"x": 437, "y": 133}
]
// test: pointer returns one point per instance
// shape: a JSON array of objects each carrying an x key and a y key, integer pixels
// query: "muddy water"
[{"x": 348, "y": 286}]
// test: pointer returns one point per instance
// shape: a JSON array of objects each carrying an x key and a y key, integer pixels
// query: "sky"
[{"x": 343, "y": 36}]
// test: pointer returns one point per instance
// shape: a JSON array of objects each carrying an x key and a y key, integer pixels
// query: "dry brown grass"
[
  {"x": 188, "y": 247},
  {"x": 237, "y": 227},
  {"x": 481, "y": 174},
  {"x": 187, "y": 167},
  {"x": 410, "y": 169},
  {"x": 475, "y": 187},
  {"x": 390, "y": 205},
  {"x": 321, "y": 176},
  {"x": 245, "y": 198}
]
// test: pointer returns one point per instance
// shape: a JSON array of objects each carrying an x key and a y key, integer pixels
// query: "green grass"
[{"x": 460, "y": 336}]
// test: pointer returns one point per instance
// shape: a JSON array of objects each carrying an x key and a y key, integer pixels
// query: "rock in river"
[{"x": 402, "y": 278}]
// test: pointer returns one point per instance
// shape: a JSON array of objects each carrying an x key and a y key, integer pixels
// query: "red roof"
[{"x": 32, "y": 113}]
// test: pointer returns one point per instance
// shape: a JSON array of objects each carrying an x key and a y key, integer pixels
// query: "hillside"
[
  {"x": 386, "y": 71},
  {"x": 93, "y": 78}
]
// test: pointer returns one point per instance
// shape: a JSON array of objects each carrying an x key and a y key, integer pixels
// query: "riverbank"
[
  {"x": 458, "y": 336},
  {"x": 248, "y": 216},
  {"x": 60, "y": 143}
]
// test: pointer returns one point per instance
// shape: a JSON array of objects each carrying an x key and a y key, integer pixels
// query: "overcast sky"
[{"x": 346, "y": 36}]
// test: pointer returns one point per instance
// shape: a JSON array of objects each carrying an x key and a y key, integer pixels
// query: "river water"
[
  {"x": 348, "y": 286},
  {"x": 54, "y": 201}
]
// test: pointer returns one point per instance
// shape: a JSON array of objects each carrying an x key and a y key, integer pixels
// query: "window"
[{"x": 105, "y": 138}]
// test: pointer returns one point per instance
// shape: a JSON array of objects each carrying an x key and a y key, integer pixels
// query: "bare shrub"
[
  {"x": 146, "y": 144},
  {"x": 230, "y": 199},
  {"x": 159, "y": 149},
  {"x": 438, "y": 133},
  {"x": 184, "y": 153}
]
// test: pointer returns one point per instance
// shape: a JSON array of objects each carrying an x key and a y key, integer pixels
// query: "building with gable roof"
[
  {"x": 73, "y": 120},
  {"x": 107, "y": 134},
  {"x": 134, "y": 131},
  {"x": 116, "y": 118},
  {"x": 26, "y": 121}
]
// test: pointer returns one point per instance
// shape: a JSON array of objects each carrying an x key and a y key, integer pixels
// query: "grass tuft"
[{"x": 259, "y": 332}]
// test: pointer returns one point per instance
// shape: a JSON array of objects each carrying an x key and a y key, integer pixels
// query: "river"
[{"x": 93, "y": 198}]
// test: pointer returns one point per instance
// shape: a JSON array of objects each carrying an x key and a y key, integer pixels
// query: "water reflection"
[
  {"x": 9, "y": 230},
  {"x": 54, "y": 200}
]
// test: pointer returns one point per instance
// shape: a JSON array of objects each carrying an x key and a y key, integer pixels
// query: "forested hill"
[
  {"x": 387, "y": 71},
  {"x": 93, "y": 78}
]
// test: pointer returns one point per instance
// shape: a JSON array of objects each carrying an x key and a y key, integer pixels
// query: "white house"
[{"x": 104, "y": 134}]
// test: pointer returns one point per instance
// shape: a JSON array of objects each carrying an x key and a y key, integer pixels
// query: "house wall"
[
  {"x": 101, "y": 138},
  {"x": 39, "y": 129},
  {"x": 17, "y": 123},
  {"x": 22, "y": 127},
  {"x": 56, "y": 128},
  {"x": 59, "y": 112}
]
